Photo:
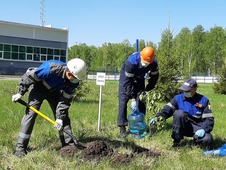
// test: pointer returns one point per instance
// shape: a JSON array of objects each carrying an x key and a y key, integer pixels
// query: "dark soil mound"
[
  {"x": 68, "y": 151},
  {"x": 97, "y": 149}
]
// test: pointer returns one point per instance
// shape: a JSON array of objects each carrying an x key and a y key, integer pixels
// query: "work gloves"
[
  {"x": 157, "y": 119},
  {"x": 143, "y": 96},
  {"x": 133, "y": 105},
  {"x": 200, "y": 133},
  {"x": 59, "y": 124},
  {"x": 153, "y": 121},
  {"x": 16, "y": 97}
]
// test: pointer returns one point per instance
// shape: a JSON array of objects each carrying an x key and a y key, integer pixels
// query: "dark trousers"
[
  {"x": 123, "y": 99},
  {"x": 184, "y": 126}
]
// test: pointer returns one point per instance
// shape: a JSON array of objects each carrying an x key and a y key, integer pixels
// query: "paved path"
[{"x": 6, "y": 77}]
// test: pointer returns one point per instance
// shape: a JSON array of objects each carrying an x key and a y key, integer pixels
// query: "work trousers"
[
  {"x": 123, "y": 99},
  {"x": 36, "y": 98},
  {"x": 184, "y": 126}
]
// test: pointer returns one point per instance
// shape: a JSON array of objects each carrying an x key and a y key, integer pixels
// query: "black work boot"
[
  {"x": 176, "y": 143},
  {"x": 122, "y": 133},
  {"x": 20, "y": 152},
  {"x": 177, "y": 138}
]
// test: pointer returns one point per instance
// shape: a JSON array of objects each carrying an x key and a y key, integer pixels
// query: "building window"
[
  {"x": 29, "y": 50},
  {"x": 36, "y": 50},
  {"x": 14, "y": 48},
  {"x": 22, "y": 49},
  {"x": 63, "y": 52},
  {"x": 43, "y": 57},
  {"x": 15, "y": 56},
  {"x": 56, "y": 58},
  {"x": 43, "y": 51},
  {"x": 1, "y": 47},
  {"x": 6, "y": 55},
  {"x": 36, "y": 57},
  {"x": 56, "y": 52},
  {"x": 22, "y": 56},
  {"x": 49, "y": 57},
  {"x": 17, "y": 52},
  {"x": 7, "y": 47},
  {"x": 29, "y": 56},
  {"x": 63, "y": 59},
  {"x": 50, "y": 51}
]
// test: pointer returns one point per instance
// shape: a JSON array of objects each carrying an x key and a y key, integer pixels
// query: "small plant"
[
  {"x": 82, "y": 90},
  {"x": 152, "y": 100},
  {"x": 158, "y": 126},
  {"x": 154, "y": 106}
]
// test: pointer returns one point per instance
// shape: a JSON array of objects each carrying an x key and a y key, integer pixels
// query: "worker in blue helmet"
[{"x": 192, "y": 116}]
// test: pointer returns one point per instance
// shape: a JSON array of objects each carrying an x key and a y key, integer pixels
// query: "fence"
[
  {"x": 207, "y": 79},
  {"x": 199, "y": 79},
  {"x": 107, "y": 77}
]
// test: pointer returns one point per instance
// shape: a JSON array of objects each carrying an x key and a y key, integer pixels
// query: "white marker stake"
[
  {"x": 100, "y": 80},
  {"x": 99, "y": 114}
]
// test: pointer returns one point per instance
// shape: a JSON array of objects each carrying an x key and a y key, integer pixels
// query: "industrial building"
[{"x": 23, "y": 46}]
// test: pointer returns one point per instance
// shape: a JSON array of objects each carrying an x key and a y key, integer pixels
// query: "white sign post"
[{"x": 100, "y": 80}]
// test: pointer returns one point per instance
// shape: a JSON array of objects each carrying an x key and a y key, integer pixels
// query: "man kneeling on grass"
[{"x": 192, "y": 116}]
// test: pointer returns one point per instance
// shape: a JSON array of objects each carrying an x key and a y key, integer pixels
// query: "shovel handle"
[
  {"x": 36, "y": 111},
  {"x": 77, "y": 143},
  {"x": 23, "y": 103}
]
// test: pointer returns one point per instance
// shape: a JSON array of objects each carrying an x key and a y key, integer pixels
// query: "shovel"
[{"x": 76, "y": 142}]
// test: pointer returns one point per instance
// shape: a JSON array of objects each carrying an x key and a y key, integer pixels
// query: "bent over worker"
[
  {"x": 132, "y": 84},
  {"x": 54, "y": 81},
  {"x": 192, "y": 115}
]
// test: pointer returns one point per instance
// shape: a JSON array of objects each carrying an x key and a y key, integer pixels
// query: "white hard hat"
[{"x": 77, "y": 67}]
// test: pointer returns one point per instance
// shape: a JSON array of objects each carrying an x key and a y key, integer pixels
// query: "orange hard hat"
[{"x": 147, "y": 55}]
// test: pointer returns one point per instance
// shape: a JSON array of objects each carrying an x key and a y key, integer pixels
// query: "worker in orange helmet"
[{"x": 136, "y": 68}]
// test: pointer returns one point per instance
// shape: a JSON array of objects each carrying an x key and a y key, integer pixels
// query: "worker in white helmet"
[{"x": 54, "y": 81}]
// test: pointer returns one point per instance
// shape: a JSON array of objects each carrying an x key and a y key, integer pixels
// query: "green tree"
[
  {"x": 87, "y": 53},
  {"x": 198, "y": 64},
  {"x": 182, "y": 46},
  {"x": 215, "y": 53},
  {"x": 169, "y": 68}
]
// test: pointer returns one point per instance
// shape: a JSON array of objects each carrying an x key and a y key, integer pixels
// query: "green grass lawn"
[{"x": 45, "y": 143}]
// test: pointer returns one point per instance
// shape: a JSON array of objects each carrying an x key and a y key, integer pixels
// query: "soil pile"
[
  {"x": 98, "y": 150},
  {"x": 68, "y": 151}
]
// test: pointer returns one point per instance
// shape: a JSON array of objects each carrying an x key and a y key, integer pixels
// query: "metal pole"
[{"x": 137, "y": 45}]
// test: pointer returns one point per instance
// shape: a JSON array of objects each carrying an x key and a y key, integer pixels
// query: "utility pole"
[{"x": 42, "y": 13}]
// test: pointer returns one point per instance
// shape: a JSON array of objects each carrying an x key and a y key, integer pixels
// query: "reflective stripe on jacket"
[
  {"x": 52, "y": 75},
  {"x": 132, "y": 75},
  {"x": 197, "y": 108}
]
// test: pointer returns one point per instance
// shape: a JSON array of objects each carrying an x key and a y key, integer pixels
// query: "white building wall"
[{"x": 33, "y": 32}]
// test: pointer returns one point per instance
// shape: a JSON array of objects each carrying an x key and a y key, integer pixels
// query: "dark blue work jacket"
[
  {"x": 197, "y": 108},
  {"x": 49, "y": 76},
  {"x": 133, "y": 74}
]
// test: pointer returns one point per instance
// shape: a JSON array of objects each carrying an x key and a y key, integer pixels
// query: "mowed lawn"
[{"x": 45, "y": 143}]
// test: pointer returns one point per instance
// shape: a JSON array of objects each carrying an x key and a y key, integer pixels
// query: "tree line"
[{"x": 190, "y": 52}]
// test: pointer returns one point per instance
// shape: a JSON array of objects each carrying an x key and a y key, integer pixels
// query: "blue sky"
[{"x": 95, "y": 22}]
